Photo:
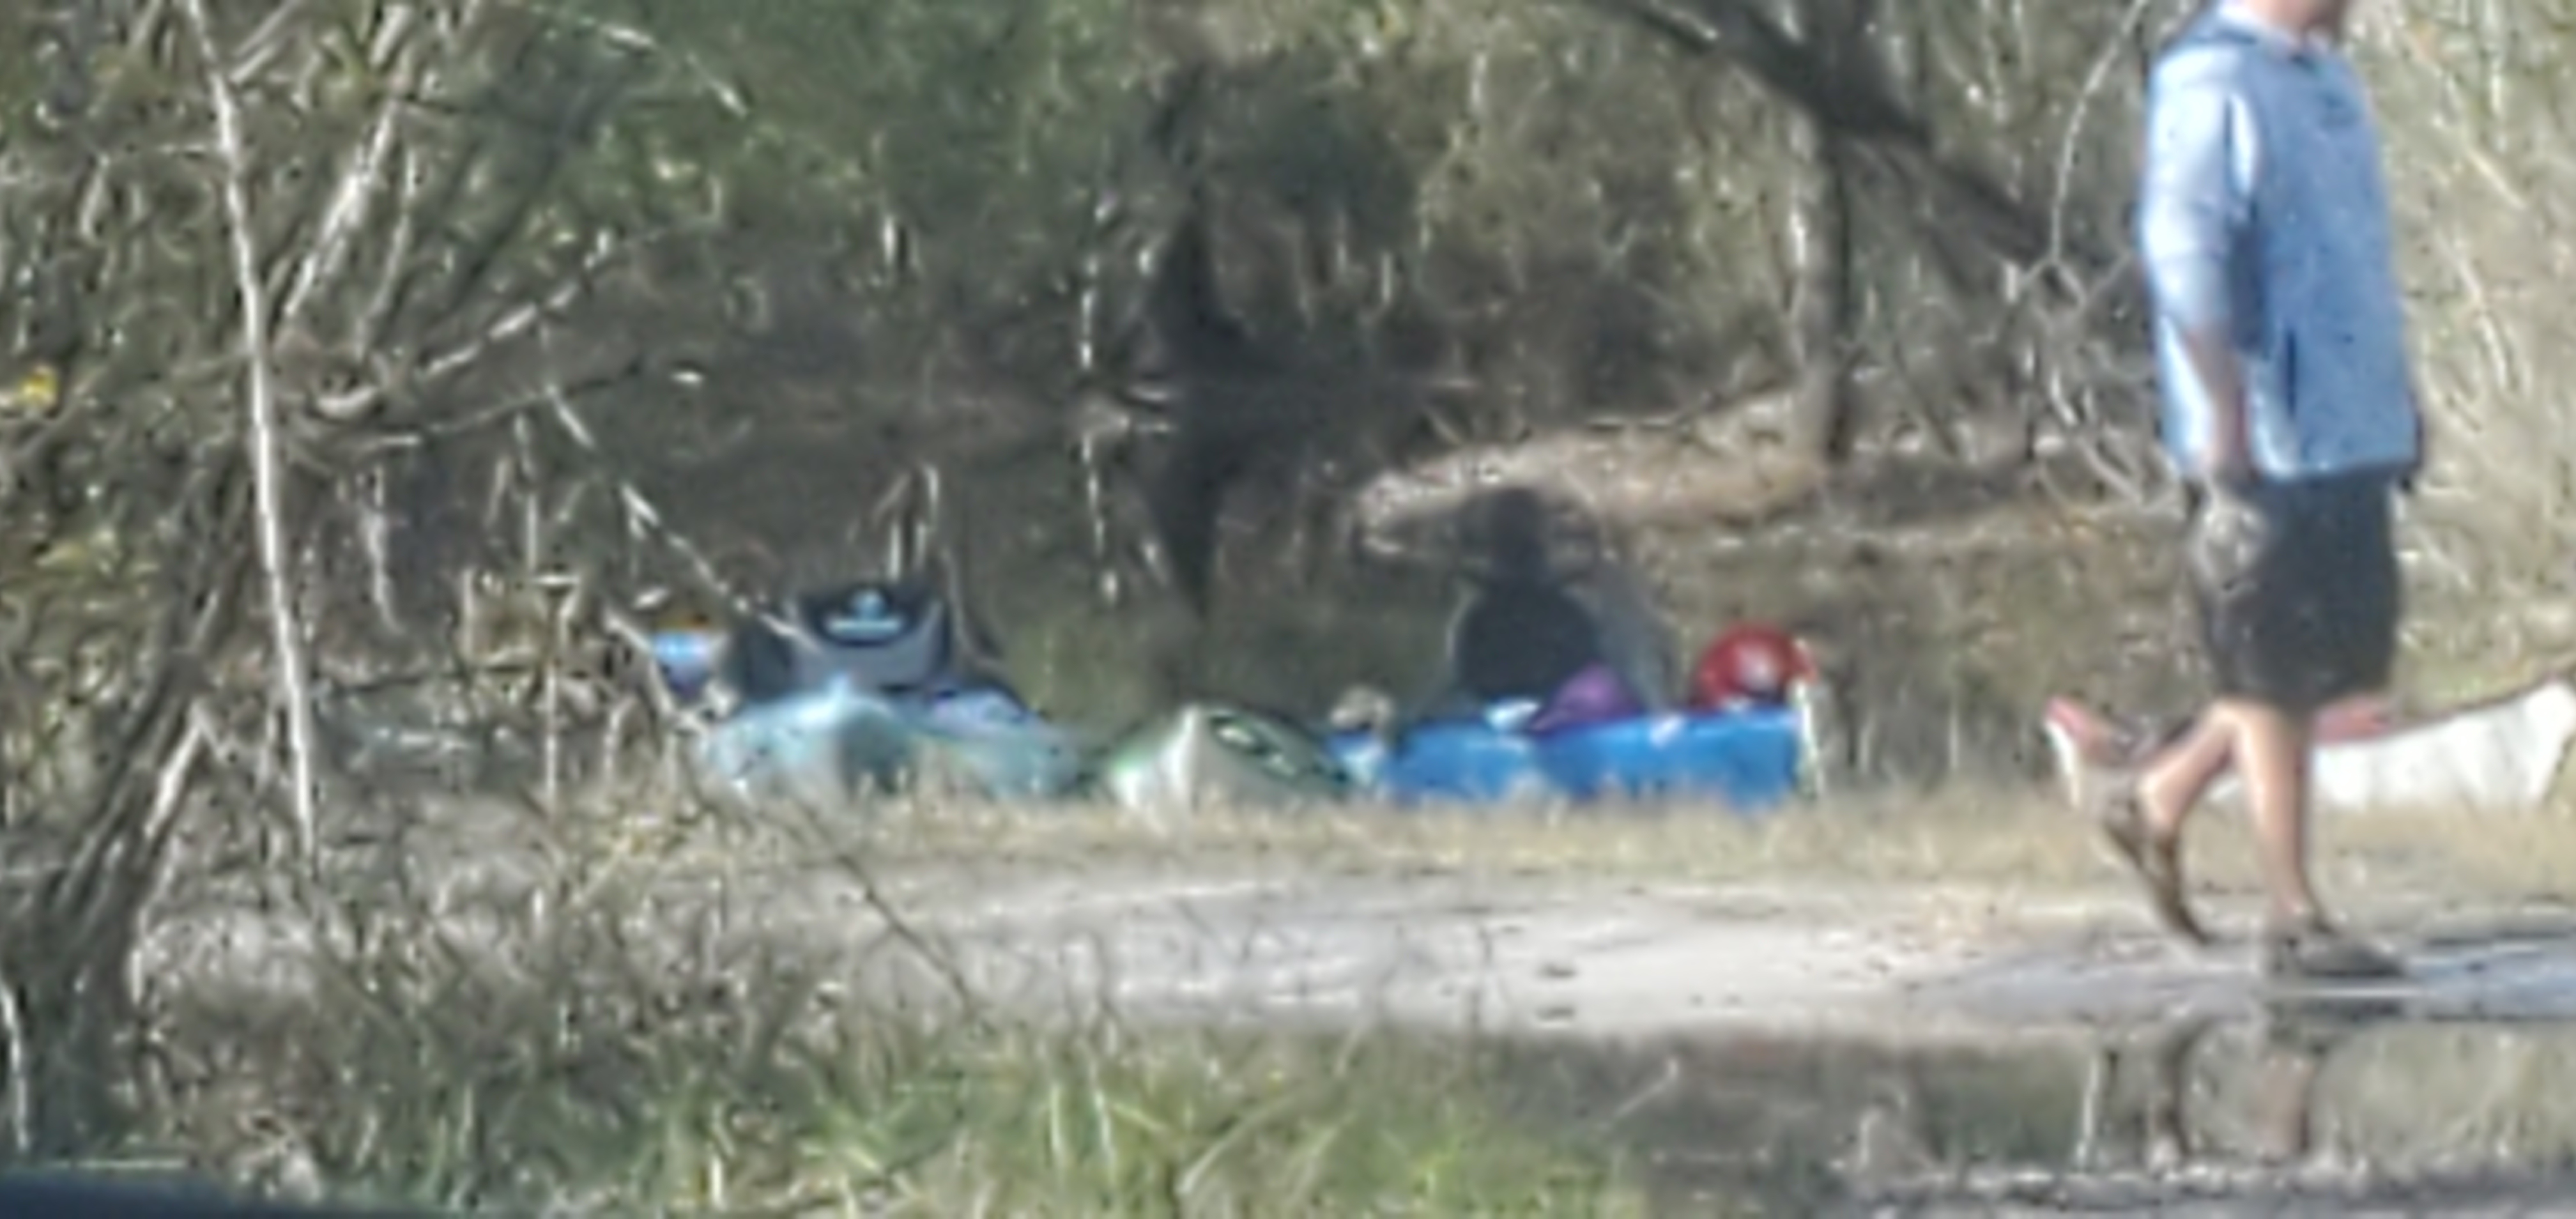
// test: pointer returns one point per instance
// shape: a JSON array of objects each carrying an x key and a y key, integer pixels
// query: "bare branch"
[
  {"x": 266, "y": 42},
  {"x": 1871, "y": 122},
  {"x": 641, "y": 514},
  {"x": 17, "y": 1099},
  {"x": 267, "y": 475},
  {"x": 360, "y": 187},
  {"x": 2094, "y": 79}
]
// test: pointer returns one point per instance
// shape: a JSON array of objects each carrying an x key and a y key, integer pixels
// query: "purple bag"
[{"x": 1593, "y": 696}]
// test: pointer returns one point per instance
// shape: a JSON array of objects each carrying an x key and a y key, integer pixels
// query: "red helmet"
[{"x": 1749, "y": 663}]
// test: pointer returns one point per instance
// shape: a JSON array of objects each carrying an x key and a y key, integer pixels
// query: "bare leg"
[
  {"x": 2142, "y": 811},
  {"x": 2168, "y": 1133},
  {"x": 2164, "y": 795},
  {"x": 2275, "y": 759},
  {"x": 2098, "y": 740},
  {"x": 2179, "y": 775},
  {"x": 2271, "y": 747},
  {"x": 2298, "y": 940},
  {"x": 2285, "y": 1102}
]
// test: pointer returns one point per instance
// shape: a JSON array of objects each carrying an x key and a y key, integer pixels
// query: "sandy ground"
[
  {"x": 1525, "y": 957},
  {"x": 1601, "y": 960},
  {"x": 1296, "y": 945}
]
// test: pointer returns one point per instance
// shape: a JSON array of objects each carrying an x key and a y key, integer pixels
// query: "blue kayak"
[
  {"x": 840, "y": 742},
  {"x": 824, "y": 747},
  {"x": 984, "y": 738},
  {"x": 1752, "y": 760},
  {"x": 1448, "y": 762}
]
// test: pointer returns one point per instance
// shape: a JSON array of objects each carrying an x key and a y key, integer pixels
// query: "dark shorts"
[{"x": 2297, "y": 589}]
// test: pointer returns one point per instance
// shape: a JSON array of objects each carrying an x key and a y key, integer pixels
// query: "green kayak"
[{"x": 1211, "y": 753}]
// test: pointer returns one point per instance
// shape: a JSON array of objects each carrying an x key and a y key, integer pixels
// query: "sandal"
[
  {"x": 2114, "y": 804},
  {"x": 2314, "y": 950}
]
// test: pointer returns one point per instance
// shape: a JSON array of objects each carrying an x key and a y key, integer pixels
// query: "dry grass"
[
  {"x": 1966, "y": 834},
  {"x": 2476, "y": 125}
]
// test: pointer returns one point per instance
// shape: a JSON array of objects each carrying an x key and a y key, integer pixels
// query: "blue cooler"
[
  {"x": 1750, "y": 759},
  {"x": 816, "y": 746},
  {"x": 1008, "y": 749},
  {"x": 1462, "y": 761}
]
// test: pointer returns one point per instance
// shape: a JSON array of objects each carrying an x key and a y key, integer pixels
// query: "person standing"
[
  {"x": 2290, "y": 410},
  {"x": 1522, "y": 634}
]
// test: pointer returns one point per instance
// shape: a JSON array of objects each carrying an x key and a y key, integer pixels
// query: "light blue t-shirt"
[{"x": 2264, "y": 212}]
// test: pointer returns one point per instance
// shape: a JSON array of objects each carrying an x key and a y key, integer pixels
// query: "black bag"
[{"x": 891, "y": 637}]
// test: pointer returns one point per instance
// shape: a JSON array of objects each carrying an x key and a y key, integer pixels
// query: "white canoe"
[{"x": 2503, "y": 754}]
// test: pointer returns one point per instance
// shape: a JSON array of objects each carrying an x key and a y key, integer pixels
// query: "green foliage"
[
  {"x": 574, "y": 1080},
  {"x": 1484, "y": 152},
  {"x": 959, "y": 118}
]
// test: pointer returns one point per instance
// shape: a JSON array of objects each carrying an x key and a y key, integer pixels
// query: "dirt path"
[
  {"x": 1599, "y": 960},
  {"x": 1549, "y": 957},
  {"x": 1294, "y": 944}
]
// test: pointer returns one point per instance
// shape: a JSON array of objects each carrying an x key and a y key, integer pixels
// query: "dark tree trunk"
[
  {"x": 1820, "y": 237},
  {"x": 1819, "y": 234}
]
